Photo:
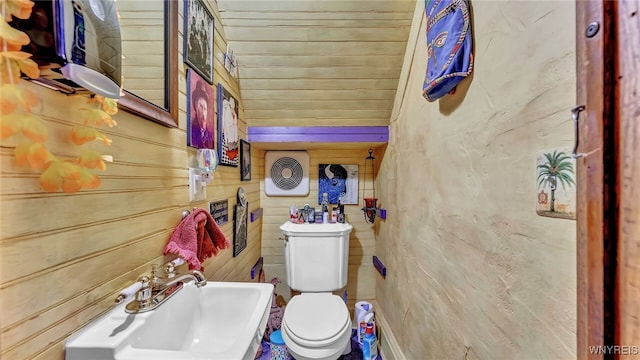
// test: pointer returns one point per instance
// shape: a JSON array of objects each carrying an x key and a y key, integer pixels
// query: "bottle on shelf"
[{"x": 325, "y": 207}]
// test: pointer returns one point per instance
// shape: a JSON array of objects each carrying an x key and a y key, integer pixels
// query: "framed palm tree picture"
[{"x": 556, "y": 184}]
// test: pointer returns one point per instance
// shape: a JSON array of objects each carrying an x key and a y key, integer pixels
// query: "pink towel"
[{"x": 196, "y": 239}]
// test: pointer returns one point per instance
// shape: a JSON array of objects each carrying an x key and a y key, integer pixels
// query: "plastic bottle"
[
  {"x": 366, "y": 320},
  {"x": 325, "y": 207},
  {"x": 363, "y": 309},
  {"x": 369, "y": 344}
]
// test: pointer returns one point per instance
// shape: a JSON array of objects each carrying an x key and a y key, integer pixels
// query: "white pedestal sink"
[{"x": 219, "y": 321}]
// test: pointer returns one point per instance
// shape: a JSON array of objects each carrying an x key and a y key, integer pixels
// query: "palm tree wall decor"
[{"x": 556, "y": 168}]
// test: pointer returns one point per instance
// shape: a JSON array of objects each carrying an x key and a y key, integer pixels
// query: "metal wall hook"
[{"x": 575, "y": 114}]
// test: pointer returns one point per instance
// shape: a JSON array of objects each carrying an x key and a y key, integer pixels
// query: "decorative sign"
[{"x": 219, "y": 210}]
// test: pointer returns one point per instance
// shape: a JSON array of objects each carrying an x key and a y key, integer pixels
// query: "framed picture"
[
  {"x": 228, "y": 152},
  {"x": 240, "y": 228},
  {"x": 556, "y": 179},
  {"x": 245, "y": 160},
  {"x": 198, "y": 38},
  {"x": 340, "y": 182},
  {"x": 200, "y": 119}
]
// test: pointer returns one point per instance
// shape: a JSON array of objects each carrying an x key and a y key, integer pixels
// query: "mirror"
[{"x": 149, "y": 31}]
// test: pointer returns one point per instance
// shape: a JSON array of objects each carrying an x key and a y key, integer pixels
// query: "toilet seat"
[{"x": 316, "y": 325}]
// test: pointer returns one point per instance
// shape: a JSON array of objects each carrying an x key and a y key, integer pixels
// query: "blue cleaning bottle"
[{"x": 369, "y": 344}]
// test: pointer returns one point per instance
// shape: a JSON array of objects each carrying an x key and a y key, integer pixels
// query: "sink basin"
[{"x": 221, "y": 320}]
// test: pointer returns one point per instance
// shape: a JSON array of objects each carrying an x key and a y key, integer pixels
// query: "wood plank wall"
[
  {"x": 361, "y": 280},
  {"x": 63, "y": 258}
]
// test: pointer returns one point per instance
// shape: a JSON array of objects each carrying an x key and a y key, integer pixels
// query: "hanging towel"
[
  {"x": 449, "y": 46},
  {"x": 196, "y": 239}
]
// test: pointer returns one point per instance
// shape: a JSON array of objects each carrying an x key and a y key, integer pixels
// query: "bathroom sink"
[{"x": 221, "y": 320}]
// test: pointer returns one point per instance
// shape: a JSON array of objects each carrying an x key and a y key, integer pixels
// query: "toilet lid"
[{"x": 316, "y": 316}]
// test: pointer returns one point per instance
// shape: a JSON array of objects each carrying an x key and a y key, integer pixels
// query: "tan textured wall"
[
  {"x": 473, "y": 272},
  {"x": 63, "y": 258}
]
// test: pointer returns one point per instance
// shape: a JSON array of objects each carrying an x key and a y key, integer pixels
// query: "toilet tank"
[{"x": 316, "y": 256}]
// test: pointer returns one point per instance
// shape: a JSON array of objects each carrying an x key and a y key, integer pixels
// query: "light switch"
[{"x": 197, "y": 187}]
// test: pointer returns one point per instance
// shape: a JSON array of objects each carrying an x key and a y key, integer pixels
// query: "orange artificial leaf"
[
  {"x": 75, "y": 178},
  {"x": 92, "y": 159},
  {"x": 34, "y": 128},
  {"x": 9, "y": 125},
  {"x": 34, "y": 155},
  {"x": 71, "y": 186},
  {"x": 9, "y": 47},
  {"x": 50, "y": 178},
  {"x": 18, "y": 8},
  {"x": 12, "y": 95},
  {"x": 96, "y": 99},
  {"x": 110, "y": 106},
  {"x": 17, "y": 55},
  {"x": 98, "y": 117},
  {"x": 29, "y": 68},
  {"x": 11, "y": 35},
  {"x": 9, "y": 72},
  {"x": 67, "y": 175},
  {"x": 81, "y": 135},
  {"x": 88, "y": 179},
  {"x": 29, "y": 99}
]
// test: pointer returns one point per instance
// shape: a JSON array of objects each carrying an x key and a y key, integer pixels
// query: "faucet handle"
[
  {"x": 169, "y": 270},
  {"x": 145, "y": 290}
]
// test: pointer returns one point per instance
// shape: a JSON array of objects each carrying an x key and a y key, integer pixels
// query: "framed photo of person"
[
  {"x": 200, "y": 112},
  {"x": 245, "y": 160},
  {"x": 228, "y": 142},
  {"x": 198, "y": 38}
]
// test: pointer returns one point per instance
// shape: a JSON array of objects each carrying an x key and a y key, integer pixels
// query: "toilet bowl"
[{"x": 316, "y": 326}]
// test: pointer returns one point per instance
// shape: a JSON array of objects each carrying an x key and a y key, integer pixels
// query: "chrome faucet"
[{"x": 156, "y": 290}]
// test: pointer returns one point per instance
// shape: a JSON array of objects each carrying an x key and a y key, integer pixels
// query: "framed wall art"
[
  {"x": 340, "y": 182},
  {"x": 228, "y": 142},
  {"x": 200, "y": 112},
  {"x": 198, "y": 38},
  {"x": 556, "y": 179},
  {"x": 245, "y": 160},
  {"x": 240, "y": 228}
]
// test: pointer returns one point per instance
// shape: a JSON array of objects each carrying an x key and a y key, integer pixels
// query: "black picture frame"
[
  {"x": 240, "y": 228},
  {"x": 245, "y": 160},
  {"x": 228, "y": 140},
  {"x": 198, "y": 38}
]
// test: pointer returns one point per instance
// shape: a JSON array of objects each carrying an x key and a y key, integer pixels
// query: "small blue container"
[{"x": 279, "y": 350}]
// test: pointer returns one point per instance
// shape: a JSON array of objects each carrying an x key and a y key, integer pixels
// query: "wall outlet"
[{"x": 197, "y": 185}]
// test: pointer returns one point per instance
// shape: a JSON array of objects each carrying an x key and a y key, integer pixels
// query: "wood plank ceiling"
[{"x": 317, "y": 63}]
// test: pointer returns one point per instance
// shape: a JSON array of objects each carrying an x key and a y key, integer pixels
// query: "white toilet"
[{"x": 316, "y": 324}]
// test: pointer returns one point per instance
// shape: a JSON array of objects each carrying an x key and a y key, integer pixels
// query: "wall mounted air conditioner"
[{"x": 286, "y": 173}]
